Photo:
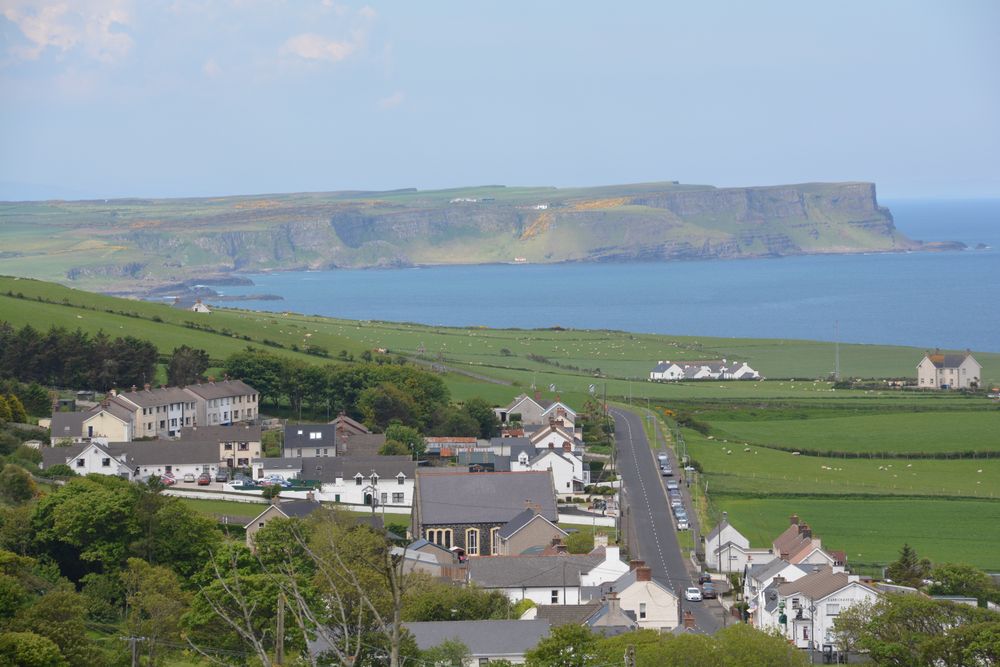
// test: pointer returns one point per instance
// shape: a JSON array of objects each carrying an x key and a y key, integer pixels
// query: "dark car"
[
  {"x": 204, "y": 479},
  {"x": 708, "y": 591},
  {"x": 704, "y": 578},
  {"x": 222, "y": 476}
]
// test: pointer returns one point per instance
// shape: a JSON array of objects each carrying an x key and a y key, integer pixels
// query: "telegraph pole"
[
  {"x": 133, "y": 643},
  {"x": 279, "y": 639}
]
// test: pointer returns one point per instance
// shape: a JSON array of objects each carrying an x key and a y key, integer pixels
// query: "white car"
[
  {"x": 692, "y": 594},
  {"x": 682, "y": 524}
]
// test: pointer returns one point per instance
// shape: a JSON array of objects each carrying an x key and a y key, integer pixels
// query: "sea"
[{"x": 945, "y": 299}]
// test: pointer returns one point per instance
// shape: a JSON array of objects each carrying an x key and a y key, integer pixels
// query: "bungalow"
[
  {"x": 136, "y": 459},
  {"x": 714, "y": 369},
  {"x": 283, "y": 509},
  {"x": 948, "y": 371},
  {"x": 541, "y": 579},
  {"x": 223, "y": 402},
  {"x": 469, "y": 510},
  {"x": 487, "y": 641}
]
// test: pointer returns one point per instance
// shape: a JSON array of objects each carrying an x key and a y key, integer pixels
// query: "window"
[
  {"x": 299, "y": 432},
  {"x": 242, "y": 462},
  {"x": 374, "y": 479},
  {"x": 325, "y": 450},
  {"x": 472, "y": 541},
  {"x": 401, "y": 479},
  {"x": 163, "y": 423},
  {"x": 832, "y": 609},
  {"x": 299, "y": 452},
  {"x": 244, "y": 446},
  {"x": 336, "y": 498},
  {"x": 440, "y": 537},
  {"x": 358, "y": 479},
  {"x": 494, "y": 541},
  {"x": 555, "y": 596},
  {"x": 106, "y": 462},
  {"x": 315, "y": 435},
  {"x": 642, "y": 610},
  {"x": 227, "y": 446},
  {"x": 795, "y": 603},
  {"x": 80, "y": 463},
  {"x": 397, "y": 498}
]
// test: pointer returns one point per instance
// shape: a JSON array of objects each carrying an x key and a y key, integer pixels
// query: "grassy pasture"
[
  {"x": 900, "y": 432},
  {"x": 762, "y": 471},
  {"x": 873, "y": 530}
]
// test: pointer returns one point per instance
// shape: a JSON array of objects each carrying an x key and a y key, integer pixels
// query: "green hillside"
[{"x": 132, "y": 245}]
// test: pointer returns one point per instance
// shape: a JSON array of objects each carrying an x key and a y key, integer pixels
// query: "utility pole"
[
  {"x": 630, "y": 656},
  {"x": 133, "y": 643},
  {"x": 279, "y": 639}
]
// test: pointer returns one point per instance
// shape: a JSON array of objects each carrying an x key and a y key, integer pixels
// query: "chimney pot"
[
  {"x": 634, "y": 564},
  {"x": 794, "y": 519},
  {"x": 146, "y": 386},
  {"x": 688, "y": 619},
  {"x": 778, "y": 580},
  {"x": 643, "y": 574}
]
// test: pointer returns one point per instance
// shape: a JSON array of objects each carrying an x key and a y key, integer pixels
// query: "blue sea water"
[{"x": 946, "y": 299}]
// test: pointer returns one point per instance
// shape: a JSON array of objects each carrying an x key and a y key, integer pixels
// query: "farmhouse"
[
  {"x": 716, "y": 369},
  {"x": 948, "y": 371}
]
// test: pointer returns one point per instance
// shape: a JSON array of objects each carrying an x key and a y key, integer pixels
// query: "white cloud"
[
  {"x": 310, "y": 46},
  {"x": 391, "y": 101},
  {"x": 211, "y": 68},
  {"x": 95, "y": 27}
]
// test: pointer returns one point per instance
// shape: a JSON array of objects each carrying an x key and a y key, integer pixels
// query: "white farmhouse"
[{"x": 948, "y": 371}]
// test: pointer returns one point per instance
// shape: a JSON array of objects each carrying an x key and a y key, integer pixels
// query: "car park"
[
  {"x": 189, "y": 478},
  {"x": 692, "y": 594},
  {"x": 204, "y": 479},
  {"x": 708, "y": 592}
]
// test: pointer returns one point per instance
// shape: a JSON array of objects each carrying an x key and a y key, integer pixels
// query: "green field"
[
  {"x": 932, "y": 432},
  {"x": 872, "y": 531}
]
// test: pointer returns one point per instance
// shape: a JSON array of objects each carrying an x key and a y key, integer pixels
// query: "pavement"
[{"x": 653, "y": 537}]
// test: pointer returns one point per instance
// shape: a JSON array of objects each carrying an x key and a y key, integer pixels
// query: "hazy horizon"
[{"x": 116, "y": 98}]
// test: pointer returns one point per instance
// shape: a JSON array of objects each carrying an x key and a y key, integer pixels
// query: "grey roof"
[
  {"x": 146, "y": 398},
  {"x": 54, "y": 455},
  {"x": 509, "y": 442},
  {"x": 298, "y": 508},
  {"x": 517, "y": 523},
  {"x": 223, "y": 433},
  {"x": 67, "y": 424},
  {"x": 948, "y": 360},
  {"x": 771, "y": 596},
  {"x": 715, "y": 531},
  {"x": 361, "y": 444},
  {"x": 351, "y": 424},
  {"x": 566, "y": 614},
  {"x": 168, "y": 452},
  {"x": 282, "y": 462},
  {"x": 501, "y": 464},
  {"x": 530, "y": 571},
  {"x": 767, "y": 570},
  {"x": 483, "y": 638},
  {"x": 112, "y": 406},
  {"x": 484, "y": 497},
  {"x": 210, "y": 390},
  {"x": 329, "y": 468},
  {"x": 300, "y": 435}
]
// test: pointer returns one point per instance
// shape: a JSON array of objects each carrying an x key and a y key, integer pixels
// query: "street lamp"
[{"x": 812, "y": 634}]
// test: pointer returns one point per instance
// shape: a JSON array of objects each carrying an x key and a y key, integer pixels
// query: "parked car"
[
  {"x": 674, "y": 493},
  {"x": 222, "y": 476},
  {"x": 704, "y": 578},
  {"x": 692, "y": 594},
  {"x": 682, "y": 524},
  {"x": 673, "y": 485},
  {"x": 666, "y": 472},
  {"x": 189, "y": 478},
  {"x": 676, "y": 502},
  {"x": 274, "y": 481},
  {"x": 204, "y": 479},
  {"x": 708, "y": 592}
]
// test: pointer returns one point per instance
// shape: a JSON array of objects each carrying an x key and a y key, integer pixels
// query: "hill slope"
[{"x": 132, "y": 244}]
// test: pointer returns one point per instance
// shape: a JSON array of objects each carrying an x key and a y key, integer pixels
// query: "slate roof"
[
  {"x": 298, "y": 509},
  {"x": 361, "y": 444},
  {"x": 715, "y": 531},
  {"x": 816, "y": 585},
  {"x": 300, "y": 435},
  {"x": 54, "y": 455},
  {"x": 566, "y": 614},
  {"x": 483, "y": 638},
  {"x": 284, "y": 463},
  {"x": 230, "y": 433},
  {"x": 210, "y": 390},
  {"x": 530, "y": 571},
  {"x": 329, "y": 468},
  {"x": 948, "y": 360},
  {"x": 146, "y": 398},
  {"x": 168, "y": 452},
  {"x": 519, "y": 522},
  {"x": 767, "y": 570},
  {"x": 67, "y": 424},
  {"x": 117, "y": 409},
  {"x": 484, "y": 497},
  {"x": 349, "y": 424}
]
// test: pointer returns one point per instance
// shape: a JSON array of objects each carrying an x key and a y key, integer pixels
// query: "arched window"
[
  {"x": 494, "y": 541},
  {"x": 472, "y": 541}
]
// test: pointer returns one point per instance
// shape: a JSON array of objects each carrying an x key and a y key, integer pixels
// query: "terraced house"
[
  {"x": 225, "y": 402},
  {"x": 159, "y": 413}
]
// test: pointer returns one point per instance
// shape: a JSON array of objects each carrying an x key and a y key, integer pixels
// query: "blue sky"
[{"x": 111, "y": 98}]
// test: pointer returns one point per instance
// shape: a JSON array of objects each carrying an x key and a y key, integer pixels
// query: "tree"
[
  {"x": 566, "y": 646},
  {"x": 16, "y": 485},
  {"x": 580, "y": 542},
  {"x": 449, "y": 653},
  {"x": 965, "y": 580},
  {"x": 154, "y": 603},
  {"x": 59, "y": 616},
  {"x": 482, "y": 412},
  {"x": 383, "y": 404},
  {"x": 258, "y": 368},
  {"x": 451, "y": 422},
  {"x": 17, "y": 412},
  {"x": 394, "y": 448},
  {"x": 187, "y": 365},
  {"x": 27, "y": 649},
  {"x": 429, "y": 599},
  {"x": 36, "y": 399},
  {"x": 908, "y": 570},
  {"x": 271, "y": 491},
  {"x": 409, "y": 436},
  {"x": 973, "y": 645},
  {"x": 5, "y": 411},
  {"x": 740, "y": 645}
]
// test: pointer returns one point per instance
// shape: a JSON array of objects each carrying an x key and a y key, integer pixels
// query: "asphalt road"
[{"x": 652, "y": 521}]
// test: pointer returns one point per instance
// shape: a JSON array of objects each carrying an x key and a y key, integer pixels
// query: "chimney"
[
  {"x": 805, "y": 530},
  {"x": 601, "y": 540},
  {"x": 146, "y": 386},
  {"x": 794, "y": 519},
  {"x": 635, "y": 564},
  {"x": 614, "y": 605},
  {"x": 688, "y": 620},
  {"x": 310, "y": 496},
  {"x": 643, "y": 574},
  {"x": 777, "y": 581},
  {"x": 134, "y": 388}
]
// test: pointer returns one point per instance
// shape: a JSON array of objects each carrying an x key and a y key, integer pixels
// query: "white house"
[
  {"x": 666, "y": 370},
  {"x": 757, "y": 584},
  {"x": 654, "y": 605},
  {"x": 137, "y": 459},
  {"x": 555, "y": 437},
  {"x": 568, "y": 473},
  {"x": 86, "y": 458},
  {"x": 388, "y": 481},
  {"x": 804, "y": 610},
  {"x": 541, "y": 579},
  {"x": 199, "y": 307},
  {"x": 948, "y": 371},
  {"x": 713, "y": 369},
  {"x": 608, "y": 570},
  {"x": 728, "y": 550}
]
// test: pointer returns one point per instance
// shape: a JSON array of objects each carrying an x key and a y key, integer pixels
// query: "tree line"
[{"x": 61, "y": 357}]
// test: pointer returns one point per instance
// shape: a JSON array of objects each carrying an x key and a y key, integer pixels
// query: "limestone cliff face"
[{"x": 172, "y": 240}]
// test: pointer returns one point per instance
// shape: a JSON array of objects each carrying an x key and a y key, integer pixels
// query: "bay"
[{"x": 927, "y": 299}]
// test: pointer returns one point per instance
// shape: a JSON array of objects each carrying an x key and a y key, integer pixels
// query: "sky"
[{"x": 169, "y": 98}]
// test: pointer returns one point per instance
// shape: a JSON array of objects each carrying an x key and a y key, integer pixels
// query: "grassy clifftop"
[{"x": 132, "y": 244}]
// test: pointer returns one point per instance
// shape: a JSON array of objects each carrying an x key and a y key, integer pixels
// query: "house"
[
  {"x": 555, "y": 437},
  {"x": 310, "y": 440},
  {"x": 160, "y": 412},
  {"x": 728, "y": 550},
  {"x": 569, "y": 475},
  {"x": 239, "y": 444},
  {"x": 713, "y": 369},
  {"x": 536, "y": 411},
  {"x": 386, "y": 481},
  {"x": 199, "y": 307},
  {"x": 136, "y": 459},
  {"x": 652, "y": 603},
  {"x": 797, "y": 545},
  {"x": 112, "y": 419},
  {"x": 759, "y": 588},
  {"x": 605, "y": 617},
  {"x": 541, "y": 579},
  {"x": 525, "y": 532},
  {"x": 486, "y": 640},
  {"x": 469, "y": 510},
  {"x": 948, "y": 371},
  {"x": 283, "y": 509},
  {"x": 88, "y": 457},
  {"x": 804, "y": 610},
  {"x": 223, "y": 402},
  {"x": 347, "y": 426}
]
